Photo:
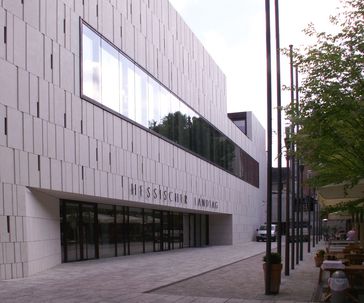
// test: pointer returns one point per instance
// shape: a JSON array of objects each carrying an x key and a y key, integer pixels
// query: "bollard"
[{"x": 338, "y": 283}]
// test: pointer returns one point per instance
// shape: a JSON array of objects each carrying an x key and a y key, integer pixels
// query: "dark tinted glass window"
[
  {"x": 106, "y": 225},
  {"x": 135, "y": 230},
  {"x": 148, "y": 230}
]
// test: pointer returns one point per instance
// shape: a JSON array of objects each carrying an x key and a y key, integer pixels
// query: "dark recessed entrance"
[{"x": 90, "y": 231}]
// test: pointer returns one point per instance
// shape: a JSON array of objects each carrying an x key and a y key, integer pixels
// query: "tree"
[{"x": 331, "y": 108}]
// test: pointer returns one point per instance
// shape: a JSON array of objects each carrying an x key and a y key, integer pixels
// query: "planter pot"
[
  {"x": 318, "y": 261},
  {"x": 275, "y": 281}
]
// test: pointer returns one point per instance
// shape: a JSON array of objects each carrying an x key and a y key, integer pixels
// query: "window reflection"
[
  {"x": 91, "y": 76},
  {"x": 106, "y": 230},
  {"x": 127, "y": 87},
  {"x": 110, "y": 76},
  {"x": 114, "y": 81},
  {"x": 141, "y": 100},
  {"x": 148, "y": 230},
  {"x": 92, "y": 230},
  {"x": 135, "y": 230},
  {"x": 154, "y": 105},
  {"x": 121, "y": 230}
]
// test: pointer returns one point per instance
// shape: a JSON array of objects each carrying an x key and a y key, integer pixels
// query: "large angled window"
[{"x": 113, "y": 81}]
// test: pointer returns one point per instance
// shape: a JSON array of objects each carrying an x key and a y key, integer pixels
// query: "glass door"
[
  {"x": 78, "y": 231},
  {"x": 71, "y": 232}
]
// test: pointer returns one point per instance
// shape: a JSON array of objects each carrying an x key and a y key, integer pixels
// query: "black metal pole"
[
  {"x": 279, "y": 131},
  {"x": 313, "y": 220},
  {"x": 317, "y": 223},
  {"x": 298, "y": 199},
  {"x": 286, "y": 248},
  {"x": 309, "y": 216},
  {"x": 298, "y": 210},
  {"x": 293, "y": 239},
  {"x": 320, "y": 223},
  {"x": 316, "y": 231},
  {"x": 301, "y": 212},
  {"x": 269, "y": 152}
]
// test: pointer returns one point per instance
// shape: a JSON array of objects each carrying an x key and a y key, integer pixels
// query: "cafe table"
[{"x": 330, "y": 266}]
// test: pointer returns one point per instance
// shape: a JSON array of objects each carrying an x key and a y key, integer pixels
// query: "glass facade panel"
[
  {"x": 198, "y": 229},
  {"x": 165, "y": 125},
  {"x": 203, "y": 230},
  {"x": 192, "y": 222},
  {"x": 148, "y": 230},
  {"x": 78, "y": 231},
  {"x": 110, "y": 78},
  {"x": 126, "y": 87},
  {"x": 157, "y": 230},
  {"x": 166, "y": 230},
  {"x": 154, "y": 107},
  {"x": 177, "y": 233},
  {"x": 141, "y": 97},
  {"x": 88, "y": 224},
  {"x": 135, "y": 230},
  {"x": 72, "y": 232},
  {"x": 91, "y": 64},
  {"x": 120, "y": 231},
  {"x": 174, "y": 113},
  {"x": 106, "y": 224}
]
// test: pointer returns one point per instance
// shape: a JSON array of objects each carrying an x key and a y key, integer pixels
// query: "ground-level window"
[{"x": 90, "y": 230}]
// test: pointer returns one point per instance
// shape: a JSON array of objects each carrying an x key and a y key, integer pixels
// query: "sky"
[{"x": 233, "y": 33}]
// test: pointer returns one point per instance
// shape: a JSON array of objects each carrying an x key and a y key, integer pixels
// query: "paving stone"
[{"x": 214, "y": 274}]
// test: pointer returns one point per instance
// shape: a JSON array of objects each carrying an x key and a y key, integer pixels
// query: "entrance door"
[{"x": 78, "y": 231}]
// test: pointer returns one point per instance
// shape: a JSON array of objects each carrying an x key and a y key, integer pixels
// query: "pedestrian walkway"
[{"x": 212, "y": 274}]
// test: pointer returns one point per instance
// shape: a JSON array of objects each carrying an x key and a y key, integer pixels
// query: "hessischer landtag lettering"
[{"x": 167, "y": 195}]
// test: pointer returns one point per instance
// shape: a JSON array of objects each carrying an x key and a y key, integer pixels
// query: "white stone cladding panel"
[{"x": 8, "y": 84}]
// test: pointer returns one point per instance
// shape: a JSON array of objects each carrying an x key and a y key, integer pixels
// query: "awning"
[{"x": 330, "y": 195}]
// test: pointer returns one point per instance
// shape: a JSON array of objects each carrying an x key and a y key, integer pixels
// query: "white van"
[{"x": 261, "y": 234}]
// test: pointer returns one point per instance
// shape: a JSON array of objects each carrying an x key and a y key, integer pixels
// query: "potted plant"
[
  {"x": 275, "y": 261},
  {"x": 319, "y": 257}
]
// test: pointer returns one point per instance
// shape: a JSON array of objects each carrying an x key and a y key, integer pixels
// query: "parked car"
[{"x": 261, "y": 233}]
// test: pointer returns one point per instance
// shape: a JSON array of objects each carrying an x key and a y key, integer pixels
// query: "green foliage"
[
  {"x": 275, "y": 258},
  {"x": 320, "y": 253},
  {"x": 195, "y": 134},
  {"x": 331, "y": 108}
]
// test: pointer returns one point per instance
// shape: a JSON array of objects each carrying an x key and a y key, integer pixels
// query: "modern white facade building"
[{"x": 114, "y": 136}]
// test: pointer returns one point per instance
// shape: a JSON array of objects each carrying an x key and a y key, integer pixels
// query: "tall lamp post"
[
  {"x": 309, "y": 207},
  {"x": 268, "y": 290},
  {"x": 301, "y": 212},
  {"x": 293, "y": 175},
  {"x": 298, "y": 188},
  {"x": 279, "y": 131},
  {"x": 286, "y": 248}
]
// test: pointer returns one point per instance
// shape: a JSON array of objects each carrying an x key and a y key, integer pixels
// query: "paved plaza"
[{"x": 212, "y": 274}]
